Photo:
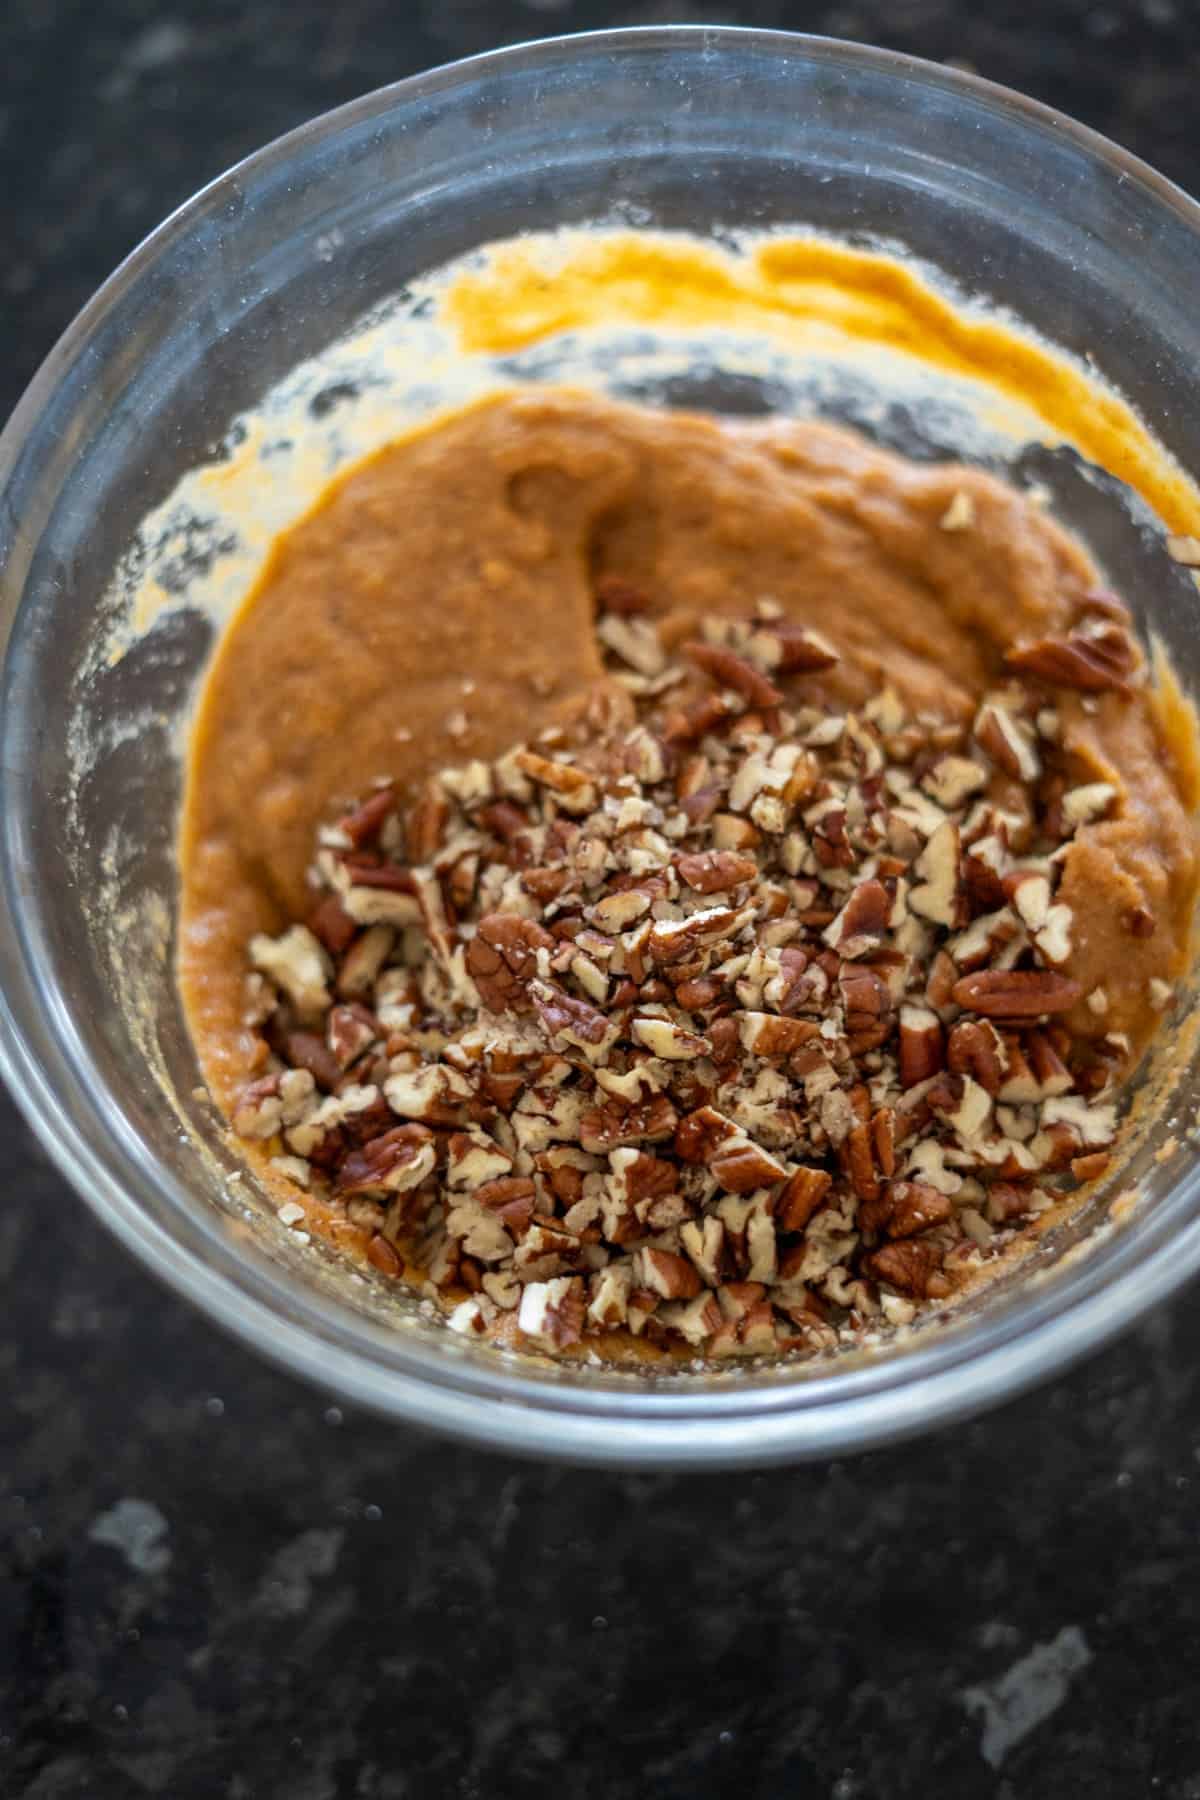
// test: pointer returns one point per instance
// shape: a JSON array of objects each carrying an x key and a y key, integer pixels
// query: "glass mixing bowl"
[{"x": 688, "y": 127}]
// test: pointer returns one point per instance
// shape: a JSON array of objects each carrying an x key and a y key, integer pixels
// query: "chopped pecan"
[
  {"x": 381, "y": 1256},
  {"x": 426, "y": 824},
  {"x": 606, "y": 1127},
  {"x": 392, "y": 1163},
  {"x": 975, "y": 1049},
  {"x": 714, "y": 871},
  {"x": 1091, "y": 658},
  {"x": 741, "y": 1167},
  {"x": 902, "y": 1209},
  {"x": 1016, "y": 993},
  {"x": 699, "y": 992},
  {"x": 699, "y": 1134},
  {"x": 922, "y": 1045},
  {"x": 790, "y": 649},
  {"x": 331, "y": 923},
  {"x": 686, "y": 725},
  {"x": 562, "y": 1015},
  {"x": 670, "y": 1276},
  {"x": 544, "y": 884},
  {"x": 772, "y": 1035},
  {"x": 511, "y": 1198},
  {"x": 502, "y": 960},
  {"x": 551, "y": 1312},
  {"x": 865, "y": 915},
  {"x": 349, "y": 1030},
  {"x": 912, "y": 1266},
  {"x": 733, "y": 671},
  {"x": 805, "y": 1192},
  {"x": 572, "y": 787},
  {"x": 362, "y": 824},
  {"x": 868, "y": 1006},
  {"x": 305, "y": 1050},
  {"x": 1008, "y": 741},
  {"x": 674, "y": 940}
]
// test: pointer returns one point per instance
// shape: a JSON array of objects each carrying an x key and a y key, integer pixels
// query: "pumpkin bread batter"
[{"x": 439, "y": 605}]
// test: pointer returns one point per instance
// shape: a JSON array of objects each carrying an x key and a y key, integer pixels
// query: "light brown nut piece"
[
  {"x": 562, "y": 1015},
  {"x": 700, "y": 1134},
  {"x": 671, "y": 1277},
  {"x": 607, "y": 1127},
  {"x": 790, "y": 649},
  {"x": 922, "y": 1045},
  {"x": 904, "y": 1209},
  {"x": 937, "y": 895},
  {"x": 1008, "y": 741},
  {"x": 865, "y": 915},
  {"x": 502, "y": 960},
  {"x": 1016, "y": 993},
  {"x": 675, "y": 940},
  {"x": 715, "y": 871},
  {"x": 741, "y": 1167},
  {"x": 975, "y": 1048},
  {"x": 393, "y": 1163},
  {"x": 1090, "y": 659},
  {"x": 771, "y": 1035},
  {"x": 801, "y": 1198},
  {"x": 733, "y": 671},
  {"x": 573, "y": 788},
  {"x": 911, "y": 1266},
  {"x": 551, "y": 1312}
]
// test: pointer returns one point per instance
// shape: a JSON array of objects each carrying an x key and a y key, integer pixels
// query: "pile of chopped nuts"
[{"x": 720, "y": 1018}]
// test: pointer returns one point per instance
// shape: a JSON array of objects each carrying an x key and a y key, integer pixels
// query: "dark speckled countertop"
[{"x": 216, "y": 1584}]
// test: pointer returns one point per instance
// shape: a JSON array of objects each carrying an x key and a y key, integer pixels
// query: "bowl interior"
[{"x": 271, "y": 271}]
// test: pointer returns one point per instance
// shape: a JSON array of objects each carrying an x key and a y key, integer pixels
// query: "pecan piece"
[
  {"x": 362, "y": 824},
  {"x": 801, "y": 1198},
  {"x": 791, "y": 649},
  {"x": 393, "y": 1163},
  {"x": 551, "y": 1312},
  {"x": 671, "y": 1277},
  {"x": 975, "y": 1049},
  {"x": 733, "y": 671},
  {"x": 1090, "y": 659},
  {"x": 502, "y": 960},
  {"x": 699, "y": 1134},
  {"x": 771, "y": 1035},
  {"x": 1016, "y": 993},
  {"x": 912, "y": 1266},
  {"x": 331, "y": 923},
  {"x": 606, "y": 1127},
  {"x": 713, "y": 871},
  {"x": 305, "y": 1050},
  {"x": 426, "y": 824},
  {"x": 1008, "y": 741},
  {"x": 741, "y": 1166},
  {"x": 381, "y": 1256},
  {"x": 903, "y": 1209},
  {"x": 865, "y": 915},
  {"x": 511, "y": 1198},
  {"x": 922, "y": 1045},
  {"x": 686, "y": 725},
  {"x": 868, "y": 1006},
  {"x": 699, "y": 992},
  {"x": 562, "y": 1015}
]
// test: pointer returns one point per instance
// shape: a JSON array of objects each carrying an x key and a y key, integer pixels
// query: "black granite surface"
[{"x": 214, "y": 1583}]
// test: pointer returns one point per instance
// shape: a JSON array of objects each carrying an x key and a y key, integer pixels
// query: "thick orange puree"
[
  {"x": 527, "y": 291},
  {"x": 437, "y": 605}
]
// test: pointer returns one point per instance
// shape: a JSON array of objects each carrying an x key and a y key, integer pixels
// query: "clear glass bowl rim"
[{"x": 951, "y": 1376}]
